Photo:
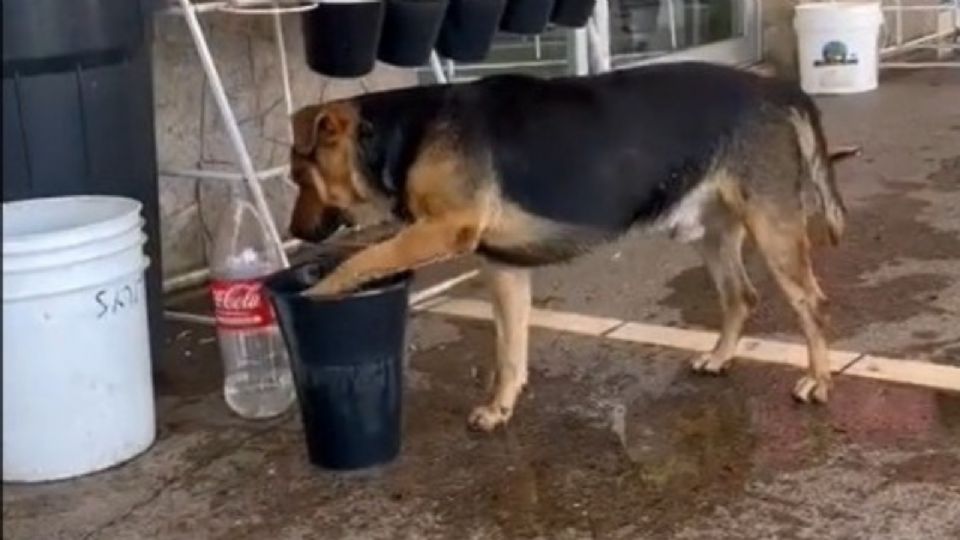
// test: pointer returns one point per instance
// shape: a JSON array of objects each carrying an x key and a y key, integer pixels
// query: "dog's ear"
[{"x": 318, "y": 124}]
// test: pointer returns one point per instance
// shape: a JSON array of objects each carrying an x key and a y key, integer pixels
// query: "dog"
[{"x": 528, "y": 172}]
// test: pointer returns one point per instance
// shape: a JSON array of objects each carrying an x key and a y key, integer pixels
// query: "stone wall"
[{"x": 190, "y": 133}]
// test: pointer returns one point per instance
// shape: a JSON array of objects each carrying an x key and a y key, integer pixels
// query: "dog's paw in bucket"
[
  {"x": 324, "y": 288},
  {"x": 332, "y": 285}
]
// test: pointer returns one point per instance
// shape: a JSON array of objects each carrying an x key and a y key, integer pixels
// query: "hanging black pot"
[
  {"x": 341, "y": 37},
  {"x": 410, "y": 30},
  {"x": 526, "y": 16},
  {"x": 468, "y": 29},
  {"x": 572, "y": 13}
]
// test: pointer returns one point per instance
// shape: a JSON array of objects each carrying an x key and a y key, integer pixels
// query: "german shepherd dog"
[{"x": 529, "y": 172}]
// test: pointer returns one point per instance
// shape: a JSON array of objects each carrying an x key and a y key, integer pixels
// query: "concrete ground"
[{"x": 613, "y": 439}]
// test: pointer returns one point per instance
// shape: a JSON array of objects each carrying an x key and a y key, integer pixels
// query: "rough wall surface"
[{"x": 190, "y": 132}]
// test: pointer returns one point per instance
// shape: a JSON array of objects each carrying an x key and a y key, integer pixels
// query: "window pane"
[{"x": 660, "y": 26}]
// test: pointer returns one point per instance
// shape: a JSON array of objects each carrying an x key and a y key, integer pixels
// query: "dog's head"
[{"x": 325, "y": 165}]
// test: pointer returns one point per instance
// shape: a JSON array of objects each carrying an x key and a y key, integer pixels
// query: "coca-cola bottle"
[{"x": 257, "y": 380}]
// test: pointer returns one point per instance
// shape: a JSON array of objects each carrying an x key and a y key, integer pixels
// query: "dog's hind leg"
[
  {"x": 781, "y": 236},
  {"x": 511, "y": 315},
  {"x": 721, "y": 248}
]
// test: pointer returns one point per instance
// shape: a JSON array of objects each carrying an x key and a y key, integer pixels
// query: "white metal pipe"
[
  {"x": 436, "y": 290},
  {"x": 578, "y": 53},
  {"x": 437, "y": 67},
  {"x": 269, "y": 7},
  {"x": 898, "y": 17},
  {"x": 193, "y": 318},
  {"x": 918, "y": 65},
  {"x": 914, "y": 42},
  {"x": 901, "y": 8},
  {"x": 284, "y": 71},
  {"x": 203, "y": 7},
  {"x": 418, "y": 298},
  {"x": 598, "y": 37},
  {"x": 672, "y": 21},
  {"x": 209, "y": 174},
  {"x": 230, "y": 124},
  {"x": 487, "y": 66}
]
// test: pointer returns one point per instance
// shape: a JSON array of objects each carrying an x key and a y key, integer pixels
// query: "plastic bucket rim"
[
  {"x": 58, "y": 238},
  {"x": 137, "y": 227},
  {"x": 139, "y": 269},
  {"x": 140, "y": 241},
  {"x": 846, "y": 5},
  {"x": 805, "y": 13},
  {"x": 392, "y": 283}
]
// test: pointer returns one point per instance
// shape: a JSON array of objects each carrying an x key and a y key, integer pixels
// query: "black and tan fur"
[{"x": 528, "y": 172}]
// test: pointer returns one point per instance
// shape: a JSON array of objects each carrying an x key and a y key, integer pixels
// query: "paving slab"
[{"x": 613, "y": 440}]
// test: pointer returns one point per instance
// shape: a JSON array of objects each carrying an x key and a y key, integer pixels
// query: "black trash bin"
[
  {"x": 347, "y": 356},
  {"x": 78, "y": 116}
]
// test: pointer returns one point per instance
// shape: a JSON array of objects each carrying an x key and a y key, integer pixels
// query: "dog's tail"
[{"x": 818, "y": 167}]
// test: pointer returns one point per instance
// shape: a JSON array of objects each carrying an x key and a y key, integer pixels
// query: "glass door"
[
  {"x": 643, "y": 31},
  {"x": 625, "y": 33}
]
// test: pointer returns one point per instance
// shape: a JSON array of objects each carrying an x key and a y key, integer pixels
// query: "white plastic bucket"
[
  {"x": 838, "y": 46},
  {"x": 77, "y": 384}
]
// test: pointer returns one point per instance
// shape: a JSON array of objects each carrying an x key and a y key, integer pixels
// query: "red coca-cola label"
[{"x": 241, "y": 304}]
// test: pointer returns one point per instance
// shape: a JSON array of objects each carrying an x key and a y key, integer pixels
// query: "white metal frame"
[
  {"x": 932, "y": 41},
  {"x": 192, "y": 10},
  {"x": 248, "y": 173}
]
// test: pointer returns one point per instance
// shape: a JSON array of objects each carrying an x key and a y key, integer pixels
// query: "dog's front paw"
[
  {"x": 812, "y": 389},
  {"x": 710, "y": 363},
  {"x": 487, "y": 417},
  {"x": 327, "y": 287}
]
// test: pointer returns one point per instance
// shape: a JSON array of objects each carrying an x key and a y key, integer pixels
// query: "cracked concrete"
[{"x": 612, "y": 440}]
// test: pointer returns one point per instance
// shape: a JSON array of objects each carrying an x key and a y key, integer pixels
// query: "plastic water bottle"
[{"x": 257, "y": 380}]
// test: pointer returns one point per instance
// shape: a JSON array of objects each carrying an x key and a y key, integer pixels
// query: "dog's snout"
[{"x": 330, "y": 221}]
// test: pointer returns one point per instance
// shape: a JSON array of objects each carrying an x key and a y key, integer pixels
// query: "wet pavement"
[{"x": 612, "y": 440}]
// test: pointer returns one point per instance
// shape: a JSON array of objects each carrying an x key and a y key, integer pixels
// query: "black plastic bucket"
[
  {"x": 347, "y": 356},
  {"x": 572, "y": 13},
  {"x": 341, "y": 39},
  {"x": 410, "y": 30},
  {"x": 469, "y": 28},
  {"x": 526, "y": 16}
]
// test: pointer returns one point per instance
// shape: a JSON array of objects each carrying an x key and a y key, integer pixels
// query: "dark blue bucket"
[{"x": 347, "y": 355}]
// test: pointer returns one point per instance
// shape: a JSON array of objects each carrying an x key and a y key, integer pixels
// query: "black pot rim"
[{"x": 385, "y": 285}]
